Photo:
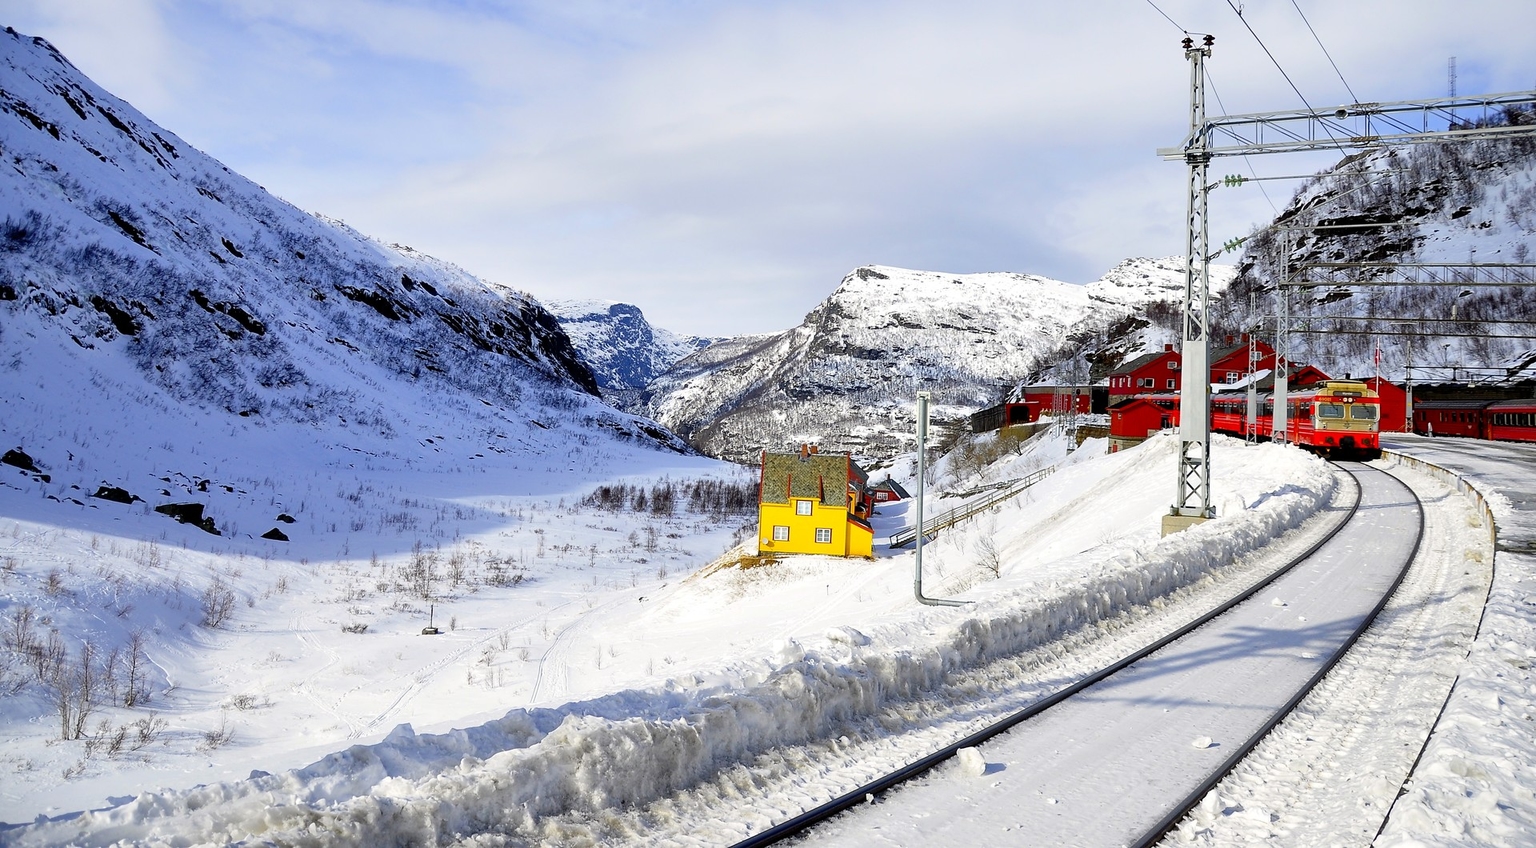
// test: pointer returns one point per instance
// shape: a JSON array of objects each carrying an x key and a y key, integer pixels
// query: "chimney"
[
  {"x": 805, "y": 451},
  {"x": 1168, "y": 348},
  {"x": 1229, "y": 339},
  {"x": 815, "y": 449}
]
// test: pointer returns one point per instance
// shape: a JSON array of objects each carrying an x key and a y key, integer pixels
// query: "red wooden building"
[
  {"x": 1394, "y": 404},
  {"x": 1161, "y": 371},
  {"x": 1132, "y": 420}
]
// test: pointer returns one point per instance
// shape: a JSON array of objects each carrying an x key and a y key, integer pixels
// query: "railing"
[{"x": 950, "y": 518}]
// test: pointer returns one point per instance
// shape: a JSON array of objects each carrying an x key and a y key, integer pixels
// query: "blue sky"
[{"x": 723, "y": 165}]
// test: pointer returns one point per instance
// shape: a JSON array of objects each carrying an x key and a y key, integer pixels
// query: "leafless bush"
[
  {"x": 244, "y": 701},
  {"x": 987, "y": 556},
  {"x": 219, "y": 736},
  {"x": 135, "y": 691},
  {"x": 218, "y": 603},
  {"x": 355, "y": 627},
  {"x": 75, "y": 689},
  {"x": 146, "y": 730}
]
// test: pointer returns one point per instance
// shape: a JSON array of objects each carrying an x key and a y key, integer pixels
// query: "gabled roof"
[
  {"x": 823, "y": 477},
  {"x": 894, "y": 486},
  {"x": 1143, "y": 360}
]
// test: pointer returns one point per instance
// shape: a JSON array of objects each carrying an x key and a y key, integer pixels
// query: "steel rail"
[
  {"x": 868, "y": 791},
  {"x": 1171, "y": 820}
]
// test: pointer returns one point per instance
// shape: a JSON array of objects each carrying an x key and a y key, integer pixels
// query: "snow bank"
[{"x": 630, "y": 748}]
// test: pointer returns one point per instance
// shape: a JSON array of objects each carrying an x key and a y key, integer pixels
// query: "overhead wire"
[
  {"x": 1281, "y": 69},
  {"x": 1246, "y": 161},
  {"x": 1352, "y": 96},
  {"x": 1165, "y": 17}
]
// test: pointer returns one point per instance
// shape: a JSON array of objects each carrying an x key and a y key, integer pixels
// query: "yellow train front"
[{"x": 1340, "y": 419}]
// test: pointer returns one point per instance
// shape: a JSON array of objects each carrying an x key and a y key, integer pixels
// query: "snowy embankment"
[
  {"x": 1473, "y": 782},
  {"x": 1081, "y": 548}
]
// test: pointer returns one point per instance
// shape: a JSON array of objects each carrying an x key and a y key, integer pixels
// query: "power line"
[
  {"x": 1246, "y": 160},
  {"x": 1165, "y": 16},
  {"x": 1288, "y": 80},
  {"x": 1353, "y": 98}
]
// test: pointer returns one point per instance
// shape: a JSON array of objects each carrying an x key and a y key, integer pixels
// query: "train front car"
[{"x": 1339, "y": 418}]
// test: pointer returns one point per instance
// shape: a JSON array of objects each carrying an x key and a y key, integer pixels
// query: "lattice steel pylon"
[
  {"x": 1358, "y": 125},
  {"x": 1192, "y": 500}
]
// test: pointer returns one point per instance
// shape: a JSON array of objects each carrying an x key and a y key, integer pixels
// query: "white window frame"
[
  {"x": 802, "y": 507},
  {"x": 1172, "y": 383},
  {"x": 781, "y": 533},
  {"x": 1146, "y": 383},
  {"x": 823, "y": 535}
]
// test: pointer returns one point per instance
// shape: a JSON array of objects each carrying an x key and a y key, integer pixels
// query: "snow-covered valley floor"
[
  {"x": 620, "y": 702},
  {"x": 606, "y": 699}
]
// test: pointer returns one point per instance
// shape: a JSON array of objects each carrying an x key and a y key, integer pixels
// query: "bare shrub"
[
  {"x": 135, "y": 691},
  {"x": 219, "y": 736},
  {"x": 218, "y": 603},
  {"x": 355, "y": 627},
  {"x": 987, "y": 556}
]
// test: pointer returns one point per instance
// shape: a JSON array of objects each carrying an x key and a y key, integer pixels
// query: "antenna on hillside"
[{"x": 1450, "y": 77}]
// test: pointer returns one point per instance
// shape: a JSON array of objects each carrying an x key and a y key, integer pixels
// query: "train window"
[
  {"x": 1330, "y": 410},
  {"x": 1362, "y": 412}
]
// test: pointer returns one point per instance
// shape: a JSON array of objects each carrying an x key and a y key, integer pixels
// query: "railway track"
[{"x": 1075, "y": 729}]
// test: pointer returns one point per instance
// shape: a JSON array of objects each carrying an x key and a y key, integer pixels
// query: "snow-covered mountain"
[
  {"x": 1470, "y": 202},
  {"x": 847, "y": 376},
  {"x": 127, "y": 243},
  {"x": 145, "y": 288},
  {"x": 624, "y": 351}
]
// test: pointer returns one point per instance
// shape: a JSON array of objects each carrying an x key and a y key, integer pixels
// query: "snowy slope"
[
  {"x": 1447, "y": 203},
  {"x": 624, "y": 351},
  {"x": 249, "y": 454},
  {"x": 123, "y": 239},
  {"x": 846, "y": 377}
]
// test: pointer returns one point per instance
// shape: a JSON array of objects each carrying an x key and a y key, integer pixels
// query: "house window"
[
  {"x": 1146, "y": 383},
  {"x": 1232, "y": 376},
  {"x": 823, "y": 535},
  {"x": 1173, "y": 365},
  {"x": 802, "y": 507},
  {"x": 780, "y": 533},
  {"x": 1172, "y": 383}
]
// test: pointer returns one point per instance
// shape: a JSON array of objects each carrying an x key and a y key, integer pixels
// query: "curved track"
[{"x": 1110, "y": 760}]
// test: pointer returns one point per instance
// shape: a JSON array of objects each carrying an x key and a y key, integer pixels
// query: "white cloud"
[{"x": 723, "y": 165}]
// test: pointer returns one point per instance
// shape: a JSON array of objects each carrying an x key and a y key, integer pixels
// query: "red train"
[
  {"x": 1499, "y": 420},
  {"x": 1337, "y": 418}
]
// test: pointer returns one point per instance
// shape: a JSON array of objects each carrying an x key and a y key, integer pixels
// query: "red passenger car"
[
  {"x": 1449, "y": 418},
  {"x": 1510, "y": 420}
]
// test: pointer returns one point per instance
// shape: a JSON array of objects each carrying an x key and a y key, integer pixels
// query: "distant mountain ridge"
[
  {"x": 624, "y": 351},
  {"x": 847, "y": 376}
]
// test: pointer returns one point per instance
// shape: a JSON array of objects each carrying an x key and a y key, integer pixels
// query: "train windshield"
[
  {"x": 1330, "y": 410},
  {"x": 1362, "y": 412}
]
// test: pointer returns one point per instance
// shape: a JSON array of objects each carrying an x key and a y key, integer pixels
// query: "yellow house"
[{"x": 813, "y": 503}]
